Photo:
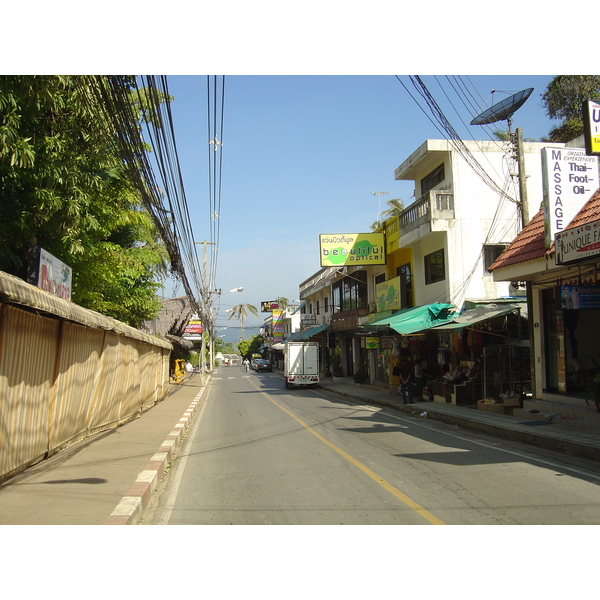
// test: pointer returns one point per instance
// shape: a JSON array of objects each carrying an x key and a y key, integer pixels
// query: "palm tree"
[
  {"x": 239, "y": 312},
  {"x": 395, "y": 207},
  {"x": 282, "y": 302}
]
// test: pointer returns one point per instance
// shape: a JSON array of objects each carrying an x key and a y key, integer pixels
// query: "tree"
[
  {"x": 239, "y": 311},
  {"x": 282, "y": 302},
  {"x": 563, "y": 99},
  {"x": 249, "y": 347},
  {"x": 65, "y": 187},
  {"x": 395, "y": 207}
]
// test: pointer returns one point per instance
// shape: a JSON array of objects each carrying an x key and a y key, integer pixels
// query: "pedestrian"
[
  {"x": 419, "y": 379},
  {"x": 247, "y": 364},
  {"x": 406, "y": 380}
]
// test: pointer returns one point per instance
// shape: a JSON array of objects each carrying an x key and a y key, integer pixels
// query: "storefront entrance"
[{"x": 572, "y": 349}]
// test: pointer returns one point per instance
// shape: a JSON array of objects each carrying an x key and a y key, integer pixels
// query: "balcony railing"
[{"x": 435, "y": 204}]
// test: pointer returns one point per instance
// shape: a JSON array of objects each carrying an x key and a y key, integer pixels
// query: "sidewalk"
[
  {"x": 109, "y": 478},
  {"x": 540, "y": 433}
]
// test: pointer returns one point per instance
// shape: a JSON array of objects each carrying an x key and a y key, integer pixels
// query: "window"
[
  {"x": 326, "y": 302},
  {"x": 430, "y": 181},
  {"x": 490, "y": 253},
  {"x": 435, "y": 267},
  {"x": 350, "y": 292},
  {"x": 405, "y": 285},
  {"x": 318, "y": 308}
]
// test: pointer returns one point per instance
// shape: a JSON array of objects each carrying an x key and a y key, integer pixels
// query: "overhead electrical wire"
[
  {"x": 452, "y": 135},
  {"x": 460, "y": 288},
  {"x": 166, "y": 203},
  {"x": 215, "y": 88}
]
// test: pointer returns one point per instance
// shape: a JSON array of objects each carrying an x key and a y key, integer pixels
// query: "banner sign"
[
  {"x": 193, "y": 330},
  {"x": 50, "y": 274},
  {"x": 387, "y": 295},
  {"x": 347, "y": 249},
  {"x": 578, "y": 243},
  {"x": 570, "y": 177},
  {"x": 372, "y": 343},
  {"x": 277, "y": 324},
  {"x": 308, "y": 320},
  {"x": 269, "y": 305},
  {"x": 573, "y": 297},
  {"x": 591, "y": 126}
]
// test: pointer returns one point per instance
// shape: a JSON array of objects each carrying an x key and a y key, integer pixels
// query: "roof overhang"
[{"x": 416, "y": 319}]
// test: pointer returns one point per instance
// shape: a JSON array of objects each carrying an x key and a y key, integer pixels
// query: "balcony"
[{"x": 421, "y": 217}]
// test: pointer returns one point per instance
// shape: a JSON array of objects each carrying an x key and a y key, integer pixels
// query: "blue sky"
[
  {"x": 314, "y": 119},
  {"x": 301, "y": 156}
]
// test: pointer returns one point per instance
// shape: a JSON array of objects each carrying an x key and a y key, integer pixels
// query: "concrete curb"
[
  {"x": 556, "y": 441},
  {"x": 130, "y": 510}
]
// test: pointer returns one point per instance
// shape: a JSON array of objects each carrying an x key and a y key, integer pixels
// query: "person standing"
[
  {"x": 419, "y": 379},
  {"x": 247, "y": 364},
  {"x": 406, "y": 379}
]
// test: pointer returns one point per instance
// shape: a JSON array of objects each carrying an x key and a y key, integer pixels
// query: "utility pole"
[
  {"x": 522, "y": 179},
  {"x": 206, "y": 325},
  {"x": 524, "y": 222}
]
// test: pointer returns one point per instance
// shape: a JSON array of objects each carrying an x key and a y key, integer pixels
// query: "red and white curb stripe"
[{"x": 129, "y": 510}]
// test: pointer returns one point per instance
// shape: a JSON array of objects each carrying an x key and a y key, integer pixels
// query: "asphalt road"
[{"x": 261, "y": 454}]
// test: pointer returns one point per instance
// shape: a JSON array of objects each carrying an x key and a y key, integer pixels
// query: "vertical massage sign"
[
  {"x": 356, "y": 249},
  {"x": 570, "y": 179}
]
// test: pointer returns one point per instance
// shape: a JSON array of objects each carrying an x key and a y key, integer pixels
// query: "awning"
[
  {"x": 482, "y": 314},
  {"x": 416, "y": 319},
  {"x": 281, "y": 345},
  {"x": 305, "y": 335}
]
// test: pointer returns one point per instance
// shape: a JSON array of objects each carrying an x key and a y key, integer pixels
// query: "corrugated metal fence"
[{"x": 66, "y": 373}]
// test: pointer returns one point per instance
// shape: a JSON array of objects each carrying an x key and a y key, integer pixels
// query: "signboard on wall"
[
  {"x": 269, "y": 305},
  {"x": 578, "y": 243},
  {"x": 372, "y": 343},
  {"x": 50, "y": 274},
  {"x": 348, "y": 249},
  {"x": 193, "y": 330},
  {"x": 308, "y": 320},
  {"x": 277, "y": 324},
  {"x": 591, "y": 127},
  {"x": 570, "y": 177},
  {"x": 573, "y": 297},
  {"x": 387, "y": 295}
]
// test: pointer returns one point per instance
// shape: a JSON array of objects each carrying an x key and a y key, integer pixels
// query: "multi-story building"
[{"x": 438, "y": 251}]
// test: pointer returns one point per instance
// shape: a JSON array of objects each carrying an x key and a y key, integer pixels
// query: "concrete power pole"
[
  {"x": 522, "y": 179},
  {"x": 524, "y": 221},
  {"x": 206, "y": 303}
]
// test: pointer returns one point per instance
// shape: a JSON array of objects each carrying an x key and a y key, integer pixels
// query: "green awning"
[
  {"x": 416, "y": 319},
  {"x": 305, "y": 335},
  {"x": 481, "y": 314}
]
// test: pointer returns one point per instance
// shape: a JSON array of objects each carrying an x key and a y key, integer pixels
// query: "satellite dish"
[{"x": 503, "y": 110}]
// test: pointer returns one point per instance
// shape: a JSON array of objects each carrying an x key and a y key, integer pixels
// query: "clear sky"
[
  {"x": 314, "y": 118},
  {"x": 302, "y": 156}
]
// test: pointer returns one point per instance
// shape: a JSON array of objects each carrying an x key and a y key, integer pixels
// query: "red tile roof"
[{"x": 529, "y": 243}]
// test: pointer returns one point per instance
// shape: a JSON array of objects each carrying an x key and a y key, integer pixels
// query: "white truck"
[{"x": 301, "y": 363}]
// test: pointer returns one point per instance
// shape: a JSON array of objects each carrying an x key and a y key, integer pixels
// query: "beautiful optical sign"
[{"x": 344, "y": 249}]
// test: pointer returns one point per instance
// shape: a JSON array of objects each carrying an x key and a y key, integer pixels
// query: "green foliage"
[
  {"x": 244, "y": 348},
  {"x": 336, "y": 362},
  {"x": 65, "y": 188},
  {"x": 395, "y": 207},
  {"x": 563, "y": 99},
  {"x": 249, "y": 347},
  {"x": 240, "y": 312}
]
